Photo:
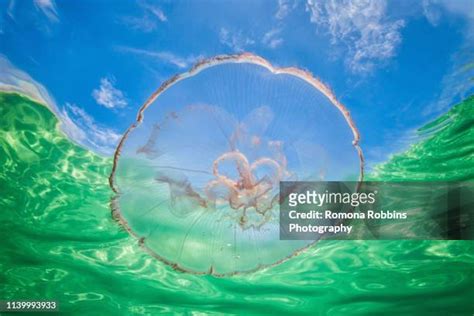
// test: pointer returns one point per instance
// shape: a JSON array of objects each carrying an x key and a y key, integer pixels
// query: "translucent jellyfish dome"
[{"x": 197, "y": 175}]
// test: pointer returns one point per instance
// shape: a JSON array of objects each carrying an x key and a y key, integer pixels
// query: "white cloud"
[
  {"x": 362, "y": 27},
  {"x": 155, "y": 11},
  {"x": 109, "y": 96},
  {"x": 271, "y": 38},
  {"x": 274, "y": 43},
  {"x": 11, "y": 7},
  {"x": 164, "y": 56},
  {"x": 284, "y": 8},
  {"x": 235, "y": 40},
  {"x": 82, "y": 127},
  {"x": 431, "y": 11},
  {"x": 434, "y": 10},
  {"x": 148, "y": 21},
  {"x": 44, "y": 11},
  {"x": 48, "y": 7}
]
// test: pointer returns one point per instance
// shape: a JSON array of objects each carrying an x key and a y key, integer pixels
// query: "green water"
[{"x": 58, "y": 240}]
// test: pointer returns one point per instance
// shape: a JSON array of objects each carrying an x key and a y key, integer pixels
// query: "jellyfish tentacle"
[
  {"x": 269, "y": 162},
  {"x": 229, "y": 184},
  {"x": 243, "y": 167}
]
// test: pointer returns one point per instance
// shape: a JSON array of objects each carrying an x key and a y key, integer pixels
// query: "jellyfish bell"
[{"x": 197, "y": 175}]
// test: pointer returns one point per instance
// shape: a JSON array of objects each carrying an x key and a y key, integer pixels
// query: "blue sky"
[{"x": 394, "y": 64}]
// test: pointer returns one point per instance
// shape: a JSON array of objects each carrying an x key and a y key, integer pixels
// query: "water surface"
[{"x": 60, "y": 242}]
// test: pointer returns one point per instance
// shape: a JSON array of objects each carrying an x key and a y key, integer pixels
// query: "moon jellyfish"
[{"x": 197, "y": 175}]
